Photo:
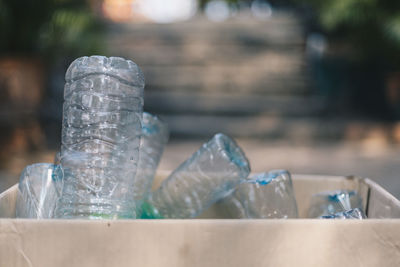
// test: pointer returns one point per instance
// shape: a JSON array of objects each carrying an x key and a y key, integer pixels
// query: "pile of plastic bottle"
[{"x": 111, "y": 150}]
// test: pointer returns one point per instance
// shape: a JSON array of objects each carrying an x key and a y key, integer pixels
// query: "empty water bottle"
[
  {"x": 348, "y": 214},
  {"x": 263, "y": 195},
  {"x": 103, "y": 104},
  {"x": 331, "y": 202},
  {"x": 57, "y": 158},
  {"x": 207, "y": 176},
  {"x": 38, "y": 191},
  {"x": 154, "y": 138}
]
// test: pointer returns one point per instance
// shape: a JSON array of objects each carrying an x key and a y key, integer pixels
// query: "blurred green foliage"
[
  {"x": 48, "y": 28},
  {"x": 372, "y": 27},
  {"x": 363, "y": 55}
]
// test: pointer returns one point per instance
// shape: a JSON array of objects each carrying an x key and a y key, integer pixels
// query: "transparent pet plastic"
[
  {"x": 331, "y": 202},
  {"x": 348, "y": 214},
  {"x": 103, "y": 105},
  {"x": 57, "y": 158},
  {"x": 207, "y": 176},
  {"x": 38, "y": 191},
  {"x": 154, "y": 138},
  {"x": 262, "y": 196}
]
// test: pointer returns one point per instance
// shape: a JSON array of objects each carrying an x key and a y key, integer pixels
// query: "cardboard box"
[{"x": 212, "y": 242}]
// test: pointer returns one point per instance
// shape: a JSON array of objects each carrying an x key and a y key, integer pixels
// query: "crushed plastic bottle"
[
  {"x": 57, "y": 158},
  {"x": 332, "y": 202},
  {"x": 208, "y": 175},
  {"x": 262, "y": 196},
  {"x": 100, "y": 138},
  {"x": 154, "y": 138},
  {"x": 348, "y": 214},
  {"x": 38, "y": 192}
]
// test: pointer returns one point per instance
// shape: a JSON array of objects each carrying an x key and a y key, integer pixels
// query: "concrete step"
[
  {"x": 260, "y": 126},
  {"x": 262, "y": 79},
  {"x": 201, "y": 103},
  {"x": 238, "y": 55},
  {"x": 243, "y": 76},
  {"x": 205, "y": 53},
  {"x": 284, "y": 28}
]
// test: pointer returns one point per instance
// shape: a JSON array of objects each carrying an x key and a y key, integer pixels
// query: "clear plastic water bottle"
[
  {"x": 103, "y": 105},
  {"x": 154, "y": 138},
  {"x": 38, "y": 191},
  {"x": 57, "y": 158},
  {"x": 265, "y": 195},
  {"x": 207, "y": 176},
  {"x": 332, "y": 202},
  {"x": 348, "y": 214}
]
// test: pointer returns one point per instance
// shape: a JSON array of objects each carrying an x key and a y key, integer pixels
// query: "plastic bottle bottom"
[{"x": 104, "y": 210}]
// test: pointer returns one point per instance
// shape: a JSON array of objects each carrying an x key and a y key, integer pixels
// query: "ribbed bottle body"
[{"x": 103, "y": 105}]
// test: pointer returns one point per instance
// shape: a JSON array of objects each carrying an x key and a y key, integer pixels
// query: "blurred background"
[{"x": 306, "y": 85}]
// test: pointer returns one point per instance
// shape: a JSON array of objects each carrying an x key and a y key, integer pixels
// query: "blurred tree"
[
  {"x": 364, "y": 40},
  {"x": 36, "y": 38},
  {"x": 48, "y": 28},
  {"x": 371, "y": 26}
]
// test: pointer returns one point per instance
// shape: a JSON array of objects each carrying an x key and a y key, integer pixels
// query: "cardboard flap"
[{"x": 381, "y": 204}]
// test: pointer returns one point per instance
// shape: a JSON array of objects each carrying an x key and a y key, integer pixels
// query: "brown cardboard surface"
[
  {"x": 381, "y": 204},
  {"x": 8, "y": 202},
  {"x": 211, "y": 242},
  {"x": 200, "y": 243}
]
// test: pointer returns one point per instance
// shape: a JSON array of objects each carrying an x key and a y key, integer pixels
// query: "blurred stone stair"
[{"x": 242, "y": 76}]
